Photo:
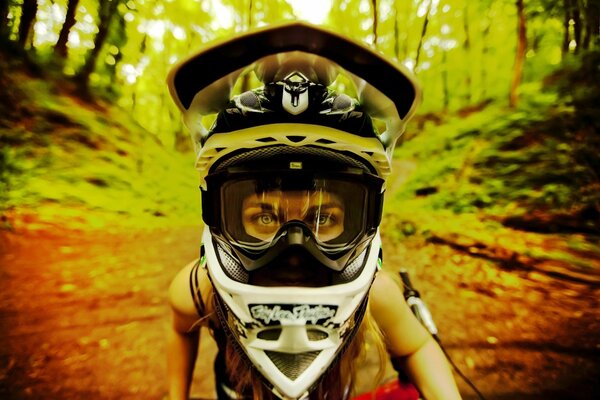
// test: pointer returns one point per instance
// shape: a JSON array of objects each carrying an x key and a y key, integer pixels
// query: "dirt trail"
[{"x": 84, "y": 316}]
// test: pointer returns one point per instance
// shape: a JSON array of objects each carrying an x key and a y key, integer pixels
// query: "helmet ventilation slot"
[
  {"x": 232, "y": 268},
  {"x": 249, "y": 99},
  {"x": 266, "y": 140},
  {"x": 352, "y": 270},
  {"x": 315, "y": 335},
  {"x": 296, "y": 139},
  {"x": 269, "y": 334},
  {"x": 292, "y": 365},
  {"x": 325, "y": 141},
  {"x": 264, "y": 153}
]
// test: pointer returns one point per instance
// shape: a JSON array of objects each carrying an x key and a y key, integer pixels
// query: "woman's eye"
[
  {"x": 323, "y": 219},
  {"x": 266, "y": 219}
]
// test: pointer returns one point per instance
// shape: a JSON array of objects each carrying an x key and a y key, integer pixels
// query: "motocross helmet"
[{"x": 292, "y": 178}]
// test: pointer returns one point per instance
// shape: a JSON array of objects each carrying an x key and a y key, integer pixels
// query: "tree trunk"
[
  {"x": 446, "y": 96},
  {"x": 375, "y": 21},
  {"x": 118, "y": 39},
  {"x": 591, "y": 32},
  {"x": 250, "y": 10},
  {"x": 519, "y": 56},
  {"x": 485, "y": 50},
  {"x": 566, "y": 32},
  {"x": 396, "y": 34},
  {"x": 467, "y": 49},
  {"x": 60, "y": 49},
  {"x": 4, "y": 31},
  {"x": 577, "y": 24},
  {"x": 29, "y": 11},
  {"x": 107, "y": 10},
  {"x": 423, "y": 32}
]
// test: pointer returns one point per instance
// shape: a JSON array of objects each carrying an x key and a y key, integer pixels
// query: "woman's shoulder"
[
  {"x": 385, "y": 289},
  {"x": 189, "y": 290},
  {"x": 392, "y": 315},
  {"x": 386, "y": 300}
]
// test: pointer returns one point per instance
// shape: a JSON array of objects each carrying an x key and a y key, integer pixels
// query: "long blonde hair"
[{"x": 340, "y": 377}]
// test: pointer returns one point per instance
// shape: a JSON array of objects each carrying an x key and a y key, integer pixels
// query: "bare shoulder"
[
  {"x": 385, "y": 292},
  {"x": 181, "y": 290},
  {"x": 402, "y": 332}
]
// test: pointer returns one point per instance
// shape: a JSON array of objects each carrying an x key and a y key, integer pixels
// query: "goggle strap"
[{"x": 210, "y": 205}]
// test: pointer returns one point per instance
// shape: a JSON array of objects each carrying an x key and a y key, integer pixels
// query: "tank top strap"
[{"x": 195, "y": 289}]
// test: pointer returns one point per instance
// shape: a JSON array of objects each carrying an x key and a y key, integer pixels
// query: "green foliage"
[
  {"x": 9, "y": 171},
  {"x": 73, "y": 164},
  {"x": 532, "y": 167},
  {"x": 466, "y": 52},
  {"x": 579, "y": 84}
]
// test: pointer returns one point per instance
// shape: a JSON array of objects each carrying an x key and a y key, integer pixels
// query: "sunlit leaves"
[{"x": 465, "y": 50}]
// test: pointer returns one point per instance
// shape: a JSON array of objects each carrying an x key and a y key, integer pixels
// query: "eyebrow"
[
  {"x": 327, "y": 205},
  {"x": 261, "y": 204},
  {"x": 268, "y": 206}
]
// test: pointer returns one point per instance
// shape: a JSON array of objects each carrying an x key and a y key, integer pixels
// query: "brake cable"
[{"x": 421, "y": 312}]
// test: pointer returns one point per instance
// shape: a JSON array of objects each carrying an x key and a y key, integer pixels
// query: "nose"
[
  {"x": 295, "y": 261},
  {"x": 296, "y": 235}
]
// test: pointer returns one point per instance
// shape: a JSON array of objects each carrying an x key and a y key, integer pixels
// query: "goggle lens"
[{"x": 254, "y": 210}]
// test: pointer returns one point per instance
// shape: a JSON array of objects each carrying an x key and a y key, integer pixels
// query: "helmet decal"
[
  {"x": 275, "y": 314},
  {"x": 295, "y": 93}
]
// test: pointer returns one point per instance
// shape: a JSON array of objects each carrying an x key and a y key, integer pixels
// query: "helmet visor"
[{"x": 254, "y": 209}]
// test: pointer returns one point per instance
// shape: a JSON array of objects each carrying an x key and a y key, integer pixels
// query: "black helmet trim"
[{"x": 261, "y": 158}]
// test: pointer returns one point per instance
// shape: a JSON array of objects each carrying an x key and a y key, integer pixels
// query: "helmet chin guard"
[{"x": 291, "y": 335}]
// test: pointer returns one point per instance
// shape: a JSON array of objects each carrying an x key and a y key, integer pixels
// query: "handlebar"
[{"x": 418, "y": 307}]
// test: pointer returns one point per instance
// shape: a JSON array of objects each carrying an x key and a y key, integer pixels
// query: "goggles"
[{"x": 262, "y": 213}]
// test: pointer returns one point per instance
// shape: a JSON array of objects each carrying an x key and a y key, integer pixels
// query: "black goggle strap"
[{"x": 211, "y": 207}]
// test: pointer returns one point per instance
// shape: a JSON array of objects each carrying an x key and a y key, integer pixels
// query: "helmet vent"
[
  {"x": 232, "y": 268},
  {"x": 292, "y": 365},
  {"x": 265, "y": 153},
  {"x": 341, "y": 102},
  {"x": 250, "y": 100},
  {"x": 266, "y": 140},
  {"x": 353, "y": 269},
  {"x": 296, "y": 139},
  {"x": 325, "y": 141},
  {"x": 270, "y": 334},
  {"x": 315, "y": 335}
]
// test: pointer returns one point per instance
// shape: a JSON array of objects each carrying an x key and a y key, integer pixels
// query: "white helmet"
[{"x": 292, "y": 178}]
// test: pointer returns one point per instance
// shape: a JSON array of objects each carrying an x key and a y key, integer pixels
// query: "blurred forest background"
[
  {"x": 500, "y": 166},
  {"x": 507, "y": 128}
]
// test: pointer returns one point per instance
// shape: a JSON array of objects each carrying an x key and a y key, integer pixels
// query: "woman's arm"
[
  {"x": 183, "y": 336},
  {"x": 182, "y": 348},
  {"x": 405, "y": 337}
]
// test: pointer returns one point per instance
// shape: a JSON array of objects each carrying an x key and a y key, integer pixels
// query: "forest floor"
[{"x": 84, "y": 315}]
